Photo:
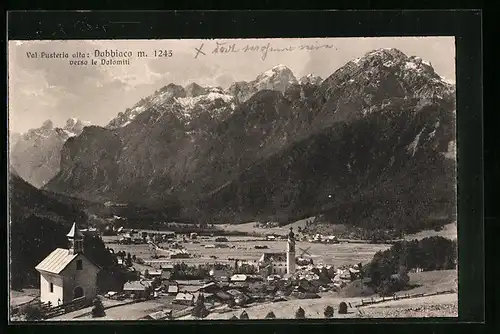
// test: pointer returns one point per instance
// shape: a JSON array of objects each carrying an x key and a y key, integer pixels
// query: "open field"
[
  {"x": 21, "y": 297},
  {"x": 449, "y": 231},
  {"x": 335, "y": 254},
  {"x": 249, "y": 227},
  {"x": 432, "y": 281},
  {"x": 435, "y": 306}
]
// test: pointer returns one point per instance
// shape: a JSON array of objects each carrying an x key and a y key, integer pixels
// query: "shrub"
[
  {"x": 244, "y": 315},
  {"x": 32, "y": 312},
  {"x": 342, "y": 308},
  {"x": 270, "y": 315},
  {"x": 403, "y": 275},
  {"x": 328, "y": 312},
  {"x": 233, "y": 318},
  {"x": 300, "y": 314},
  {"x": 98, "y": 309}
]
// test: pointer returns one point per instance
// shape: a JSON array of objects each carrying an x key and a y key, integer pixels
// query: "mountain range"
[
  {"x": 372, "y": 145},
  {"x": 36, "y": 155}
]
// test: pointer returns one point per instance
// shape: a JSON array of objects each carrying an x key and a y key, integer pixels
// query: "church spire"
[
  {"x": 290, "y": 253},
  {"x": 75, "y": 238}
]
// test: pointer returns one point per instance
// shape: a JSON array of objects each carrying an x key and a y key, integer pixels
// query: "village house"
[
  {"x": 211, "y": 287},
  {"x": 173, "y": 289},
  {"x": 67, "y": 274},
  {"x": 167, "y": 267},
  {"x": 239, "y": 278},
  {"x": 160, "y": 315},
  {"x": 139, "y": 289},
  {"x": 152, "y": 273},
  {"x": 273, "y": 263},
  {"x": 184, "y": 299},
  {"x": 223, "y": 297}
]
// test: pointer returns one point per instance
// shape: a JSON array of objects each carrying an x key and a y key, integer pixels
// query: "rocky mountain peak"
[
  {"x": 172, "y": 90},
  {"x": 277, "y": 78},
  {"x": 74, "y": 126},
  {"x": 36, "y": 155},
  {"x": 193, "y": 90},
  {"x": 310, "y": 79},
  {"x": 47, "y": 125}
]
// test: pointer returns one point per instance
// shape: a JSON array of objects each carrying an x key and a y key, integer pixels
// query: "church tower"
[
  {"x": 75, "y": 238},
  {"x": 290, "y": 253}
]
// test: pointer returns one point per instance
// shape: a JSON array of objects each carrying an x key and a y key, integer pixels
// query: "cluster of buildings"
[
  {"x": 141, "y": 237},
  {"x": 67, "y": 274}
]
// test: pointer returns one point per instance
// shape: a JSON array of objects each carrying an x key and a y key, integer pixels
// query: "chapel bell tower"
[{"x": 75, "y": 238}]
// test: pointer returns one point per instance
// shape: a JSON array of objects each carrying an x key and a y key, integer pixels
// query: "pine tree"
[
  {"x": 244, "y": 315},
  {"x": 199, "y": 310},
  {"x": 98, "y": 309},
  {"x": 328, "y": 312},
  {"x": 342, "y": 308},
  {"x": 270, "y": 315},
  {"x": 300, "y": 314}
]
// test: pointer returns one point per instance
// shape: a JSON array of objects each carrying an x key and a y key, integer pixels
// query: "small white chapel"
[{"x": 67, "y": 274}]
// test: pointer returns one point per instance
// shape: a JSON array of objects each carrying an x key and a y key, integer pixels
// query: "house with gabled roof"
[
  {"x": 273, "y": 263},
  {"x": 67, "y": 274}
]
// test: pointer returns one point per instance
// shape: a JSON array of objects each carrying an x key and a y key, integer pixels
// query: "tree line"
[{"x": 388, "y": 270}]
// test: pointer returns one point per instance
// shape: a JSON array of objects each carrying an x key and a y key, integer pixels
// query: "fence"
[
  {"x": 182, "y": 313},
  {"x": 34, "y": 302},
  {"x": 53, "y": 311},
  {"x": 372, "y": 300}
]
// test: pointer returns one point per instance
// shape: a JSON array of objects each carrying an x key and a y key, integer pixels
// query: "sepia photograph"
[{"x": 227, "y": 179}]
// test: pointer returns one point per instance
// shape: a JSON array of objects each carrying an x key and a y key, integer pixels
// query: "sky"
[{"x": 52, "y": 88}]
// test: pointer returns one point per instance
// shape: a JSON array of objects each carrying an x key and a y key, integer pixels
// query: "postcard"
[{"x": 187, "y": 179}]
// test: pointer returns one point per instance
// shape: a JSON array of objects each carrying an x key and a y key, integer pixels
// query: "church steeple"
[
  {"x": 75, "y": 238},
  {"x": 290, "y": 253}
]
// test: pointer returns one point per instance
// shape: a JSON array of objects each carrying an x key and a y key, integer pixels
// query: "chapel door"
[{"x": 78, "y": 292}]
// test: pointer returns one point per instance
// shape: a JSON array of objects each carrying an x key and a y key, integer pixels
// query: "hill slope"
[{"x": 38, "y": 225}]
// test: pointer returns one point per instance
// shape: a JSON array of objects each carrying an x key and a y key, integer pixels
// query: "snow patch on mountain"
[
  {"x": 356, "y": 60},
  {"x": 310, "y": 79},
  {"x": 448, "y": 81},
  {"x": 191, "y": 102},
  {"x": 69, "y": 133},
  {"x": 433, "y": 133},
  {"x": 414, "y": 144},
  {"x": 411, "y": 66}
]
